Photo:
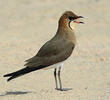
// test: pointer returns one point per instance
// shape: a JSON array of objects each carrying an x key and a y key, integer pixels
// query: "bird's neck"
[{"x": 67, "y": 33}]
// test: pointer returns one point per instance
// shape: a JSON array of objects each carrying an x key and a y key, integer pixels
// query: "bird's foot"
[
  {"x": 67, "y": 89},
  {"x": 63, "y": 89}
]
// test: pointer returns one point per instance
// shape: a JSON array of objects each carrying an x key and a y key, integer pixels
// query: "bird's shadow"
[
  {"x": 15, "y": 93},
  {"x": 25, "y": 92}
]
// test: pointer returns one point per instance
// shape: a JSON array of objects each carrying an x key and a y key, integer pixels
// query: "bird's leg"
[
  {"x": 60, "y": 79},
  {"x": 56, "y": 78}
]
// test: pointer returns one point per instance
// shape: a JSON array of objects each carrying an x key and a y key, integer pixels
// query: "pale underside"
[{"x": 57, "y": 65}]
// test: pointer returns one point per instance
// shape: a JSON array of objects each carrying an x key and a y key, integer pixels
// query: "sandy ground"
[{"x": 25, "y": 25}]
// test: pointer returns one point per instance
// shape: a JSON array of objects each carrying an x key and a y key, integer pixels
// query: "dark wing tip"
[
  {"x": 9, "y": 79},
  {"x": 6, "y": 75}
]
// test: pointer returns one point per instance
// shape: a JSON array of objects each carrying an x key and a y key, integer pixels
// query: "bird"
[{"x": 55, "y": 51}]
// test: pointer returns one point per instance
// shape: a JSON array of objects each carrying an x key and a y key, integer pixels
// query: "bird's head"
[{"x": 68, "y": 19}]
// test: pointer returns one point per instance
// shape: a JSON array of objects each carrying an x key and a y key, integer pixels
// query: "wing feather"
[{"x": 51, "y": 53}]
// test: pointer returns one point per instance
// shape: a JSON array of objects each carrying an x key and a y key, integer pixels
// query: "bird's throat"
[{"x": 71, "y": 25}]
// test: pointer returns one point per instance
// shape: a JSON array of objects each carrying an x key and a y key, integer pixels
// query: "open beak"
[
  {"x": 77, "y": 20},
  {"x": 80, "y": 17}
]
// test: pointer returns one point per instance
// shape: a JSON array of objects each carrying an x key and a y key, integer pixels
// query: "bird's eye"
[{"x": 71, "y": 18}]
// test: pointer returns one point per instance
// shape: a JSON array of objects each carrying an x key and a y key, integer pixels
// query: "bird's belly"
[{"x": 57, "y": 65}]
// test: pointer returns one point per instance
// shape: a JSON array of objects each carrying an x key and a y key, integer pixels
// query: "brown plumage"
[{"x": 56, "y": 50}]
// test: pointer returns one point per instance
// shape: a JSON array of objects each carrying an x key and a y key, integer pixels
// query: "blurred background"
[{"x": 25, "y": 25}]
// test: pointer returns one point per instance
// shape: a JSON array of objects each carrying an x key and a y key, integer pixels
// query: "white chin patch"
[{"x": 72, "y": 25}]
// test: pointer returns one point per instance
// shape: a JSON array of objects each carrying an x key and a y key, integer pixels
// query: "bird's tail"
[{"x": 22, "y": 72}]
